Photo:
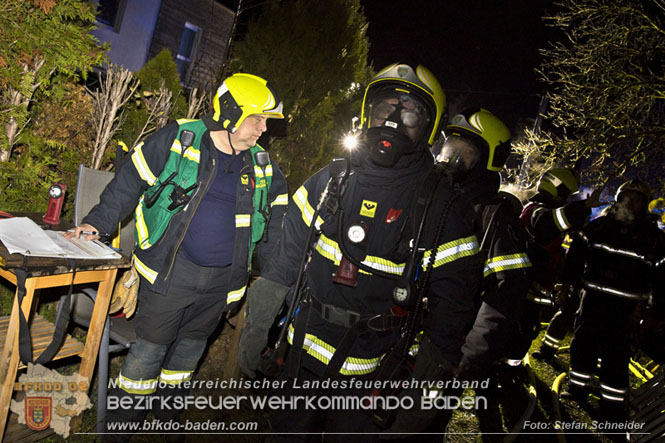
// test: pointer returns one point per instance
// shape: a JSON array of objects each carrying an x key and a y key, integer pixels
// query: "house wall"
[
  {"x": 215, "y": 21},
  {"x": 130, "y": 46}
]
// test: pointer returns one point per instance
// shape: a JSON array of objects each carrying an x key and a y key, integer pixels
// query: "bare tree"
[
  {"x": 196, "y": 103},
  {"x": 116, "y": 89},
  {"x": 158, "y": 105},
  {"x": 608, "y": 88}
]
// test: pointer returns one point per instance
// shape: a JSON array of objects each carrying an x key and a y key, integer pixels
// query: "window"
[
  {"x": 187, "y": 51},
  {"x": 110, "y": 12}
]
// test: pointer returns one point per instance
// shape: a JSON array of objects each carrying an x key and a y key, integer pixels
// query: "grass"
[{"x": 493, "y": 424}]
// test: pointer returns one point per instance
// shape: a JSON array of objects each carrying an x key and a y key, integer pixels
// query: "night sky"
[{"x": 483, "y": 51}]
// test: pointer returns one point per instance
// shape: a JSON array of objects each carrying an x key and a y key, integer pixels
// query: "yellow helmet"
[
  {"x": 242, "y": 95},
  {"x": 634, "y": 185},
  {"x": 559, "y": 183},
  {"x": 490, "y": 136},
  {"x": 420, "y": 83}
]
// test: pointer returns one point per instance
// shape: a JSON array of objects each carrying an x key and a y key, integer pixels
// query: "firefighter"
[
  {"x": 373, "y": 264},
  {"x": 548, "y": 216},
  {"x": 475, "y": 148},
  {"x": 617, "y": 260},
  {"x": 207, "y": 195}
]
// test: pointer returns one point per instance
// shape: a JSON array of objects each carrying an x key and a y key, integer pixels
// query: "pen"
[{"x": 86, "y": 232}]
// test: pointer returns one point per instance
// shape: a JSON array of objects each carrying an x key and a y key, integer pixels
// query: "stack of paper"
[{"x": 23, "y": 236}]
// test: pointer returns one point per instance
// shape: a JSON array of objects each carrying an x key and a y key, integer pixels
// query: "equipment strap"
[{"x": 62, "y": 318}]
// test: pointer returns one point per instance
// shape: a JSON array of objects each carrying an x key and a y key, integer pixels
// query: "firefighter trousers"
[
  {"x": 601, "y": 335},
  {"x": 172, "y": 331}
]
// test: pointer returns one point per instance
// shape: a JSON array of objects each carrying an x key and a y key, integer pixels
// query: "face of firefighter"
[
  {"x": 249, "y": 132},
  {"x": 460, "y": 156},
  {"x": 630, "y": 207},
  {"x": 401, "y": 113}
]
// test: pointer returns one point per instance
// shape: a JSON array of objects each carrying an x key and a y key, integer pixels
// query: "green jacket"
[{"x": 160, "y": 231}]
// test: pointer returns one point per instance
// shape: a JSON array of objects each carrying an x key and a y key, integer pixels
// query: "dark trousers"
[
  {"x": 602, "y": 331},
  {"x": 172, "y": 331},
  {"x": 302, "y": 424},
  {"x": 561, "y": 323}
]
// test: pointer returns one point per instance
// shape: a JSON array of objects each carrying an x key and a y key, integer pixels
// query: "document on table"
[{"x": 23, "y": 236}]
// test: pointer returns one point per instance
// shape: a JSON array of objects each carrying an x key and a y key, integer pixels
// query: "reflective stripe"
[
  {"x": 611, "y": 389},
  {"x": 323, "y": 352},
  {"x": 141, "y": 227},
  {"x": 542, "y": 301},
  {"x": 236, "y": 295},
  {"x": 300, "y": 199},
  {"x": 258, "y": 172},
  {"x": 660, "y": 263},
  {"x": 141, "y": 165},
  {"x": 329, "y": 249},
  {"x": 243, "y": 220},
  {"x": 580, "y": 378},
  {"x": 624, "y": 252},
  {"x": 145, "y": 271},
  {"x": 560, "y": 219},
  {"x": 281, "y": 199},
  {"x": 580, "y": 375},
  {"x": 611, "y": 397},
  {"x": 451, "y": 251},
  {"x": 175, "y": 377},
  {"x": 506, "y": 263},
  {"x": 551, "y": 339},
  {"x": 141, "y": 387},
  {"x": 551, "y": 342},
  {"x": 613, "y": 291}
]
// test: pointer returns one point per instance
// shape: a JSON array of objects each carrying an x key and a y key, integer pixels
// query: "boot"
[
  {"x": 575, "y": 393},
  {"x": 544, "y": 353}
]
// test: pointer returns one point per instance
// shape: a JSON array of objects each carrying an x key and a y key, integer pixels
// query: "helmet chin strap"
[{"x": 233, "y": 155}]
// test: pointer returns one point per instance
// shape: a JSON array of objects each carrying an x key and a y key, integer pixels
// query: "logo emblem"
[
  {"x": 244, "y": 179},
  {"x": 368, "y": 208},
  {"x": 393, "y": 215},
  {"x": 38, "y": 412}
]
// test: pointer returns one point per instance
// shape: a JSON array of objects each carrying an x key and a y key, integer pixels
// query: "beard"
[{"x": 622, "y": 214}]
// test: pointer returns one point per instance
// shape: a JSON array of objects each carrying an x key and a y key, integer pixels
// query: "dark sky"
[{"x": 483, "y": 51}]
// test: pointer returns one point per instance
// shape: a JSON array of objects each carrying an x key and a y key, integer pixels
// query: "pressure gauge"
[{"x": 357, "y": 233}]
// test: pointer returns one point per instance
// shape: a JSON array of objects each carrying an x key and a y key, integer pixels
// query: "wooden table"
[{"x": 48, "y": 273}]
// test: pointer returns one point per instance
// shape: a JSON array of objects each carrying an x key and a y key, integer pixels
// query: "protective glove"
[
  {"x": 264, "y": 300},
  {"x": 593, "y": 200},
  {"x": 125, "y": 293},
  {"x": 431, "y": 366}
]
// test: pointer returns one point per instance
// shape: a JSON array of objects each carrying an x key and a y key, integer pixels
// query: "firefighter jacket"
[
  {"x": 547, "y": 226},
  {"x": 157, "y": 247},
  {"x": 618, "y": 266},
  {"x": 379, "y": 199},
  {"x": 506, "y": 279}
]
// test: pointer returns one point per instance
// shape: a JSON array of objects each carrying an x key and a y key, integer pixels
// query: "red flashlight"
[{"x": 57, "y": 198}]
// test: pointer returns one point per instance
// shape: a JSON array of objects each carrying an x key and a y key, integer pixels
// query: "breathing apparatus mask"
[
  {"x": 461, "y": 156},
  {"x": 396, "y": 127}
]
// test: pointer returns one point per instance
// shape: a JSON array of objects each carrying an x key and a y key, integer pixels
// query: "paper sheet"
[{"x": 23, "y": 236}]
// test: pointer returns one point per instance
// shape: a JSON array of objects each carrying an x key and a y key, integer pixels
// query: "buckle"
[{"x": 339, "y": 316}]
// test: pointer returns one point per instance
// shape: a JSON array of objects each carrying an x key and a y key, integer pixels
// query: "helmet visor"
[
  {"x": 459, "y": 153},
  {"x": 402, "y": 112}
]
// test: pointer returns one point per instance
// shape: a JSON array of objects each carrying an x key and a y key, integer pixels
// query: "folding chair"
[{"x": 117, "y": 330}]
